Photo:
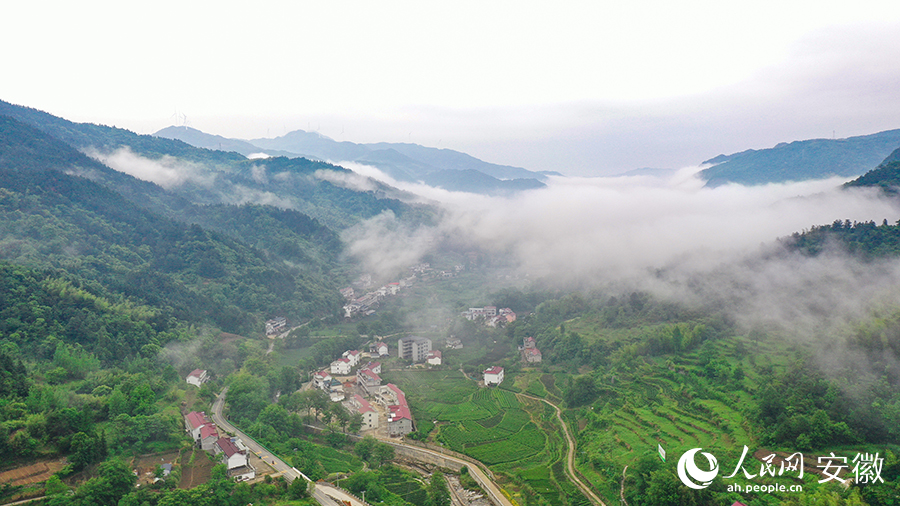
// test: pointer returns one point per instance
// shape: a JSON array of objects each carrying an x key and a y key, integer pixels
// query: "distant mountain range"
[
  {"x": 802, "y": 160},
  {"x": 444, "y": 168}
]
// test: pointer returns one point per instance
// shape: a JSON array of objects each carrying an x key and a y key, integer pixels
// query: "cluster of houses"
[
  {"x": 230, "y": 450},
  {"x": 367, "y": 383},
  {"x": 490, "y": 315},
  {"x": 366, "y": 304},
  {"x": 530, "y": 353},
  {"x": 276, "y": 325}
]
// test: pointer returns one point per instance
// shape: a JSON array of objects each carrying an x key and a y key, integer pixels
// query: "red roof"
[
  {"x": 208, "y": 430},
  {"x": 227, "y": 446},
  {"x": 196, "y": 373},
  {"x": 434, "y": 353},
  {"x": 197, "y": 419},
  {"x": 322, "y": 374},
  {"x": 370, "y": 374},
  {"x": 401, "y": 409},
  {"x": 494, "y": 370},
  {"x": 364, "y": 405}
]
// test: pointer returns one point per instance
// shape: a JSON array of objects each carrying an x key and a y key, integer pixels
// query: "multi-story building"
[{"x": 413, "y": 348}]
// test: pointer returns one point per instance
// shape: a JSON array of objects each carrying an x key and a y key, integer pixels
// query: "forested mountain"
[
  {"x": 801, "y": 160},
  {"x": 53, "y": 219},
  {"x": 402, "y": 161},
  {"x": 886, "y": 176},
  {"x": 203, "y": 176}
]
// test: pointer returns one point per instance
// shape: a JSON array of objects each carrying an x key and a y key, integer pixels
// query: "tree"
[
  {"x": 438, "y": 493},
  {"x": 365, "y": 447},
  {"x": 299, "y": 489},
  {"x": 55, "y": 486}
]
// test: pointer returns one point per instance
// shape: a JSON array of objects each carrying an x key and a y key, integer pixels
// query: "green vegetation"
[{"x": 801, "y": 160}]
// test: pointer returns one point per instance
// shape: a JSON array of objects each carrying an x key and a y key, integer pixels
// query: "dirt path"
[{"x": 570, "y": 454}]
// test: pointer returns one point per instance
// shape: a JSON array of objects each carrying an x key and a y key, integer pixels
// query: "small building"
[
  {"x": 194, "y": 421},
  {"x": 528, "y": 343},
  {"x": 341, "y": 366},
  {"x": 454, "y": 343},
  {"x": 374, "y": 367},
  {"x": 434, "y": 357},
  {"x": 322, "y": 380},
  {"x": 493, "y": 376},
  {"x": 208, "y": 437},
  {"x": 368, "y": 380},
  {"x": 531, "y": 355},
  {"x": 369, "y": 415},
  {"x": 400, "y": 422},
  {"x": 197, "y": 377},
  {"x": 230, "y": 453},
  {"x": 275, "y": 325},
  {"x": 353, "y": 356}
]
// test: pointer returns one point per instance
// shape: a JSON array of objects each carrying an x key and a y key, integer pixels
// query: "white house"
[
  {"x": 197, "y": 377},
  {"x": 341, "y": 366},
  {"x": 493, "y": 376},
  {"x": 194, "y": 421},
  {"x": 353, "y": 357},
  {"x": 374, "y": 367},
  {"x": 434, "y": 357},
  {"x": 208, "y": 437},
  {"x": 369, "y": 415},
  {"x": 232, "y": 456},
  {"x": 322, "y": 380},
  {"x": 368, "y": 380}
]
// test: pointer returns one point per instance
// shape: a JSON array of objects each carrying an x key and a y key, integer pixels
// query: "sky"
[{"x": 583, "y": 88}]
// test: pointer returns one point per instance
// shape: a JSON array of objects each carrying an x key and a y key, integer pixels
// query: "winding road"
[
  {"x": 324, "y": 494},
  {"x": 570, "y": 454}
]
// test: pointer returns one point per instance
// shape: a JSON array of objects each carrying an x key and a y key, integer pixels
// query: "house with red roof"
[
  {"x": 197, "y": 377},
  {"x": 368, "y": 380},
  {"x": 194, "y": 421},
  {"x": 322, "y": 380},
  {"x": 209, "y": 434},
  {"x": 493, "y": 376},
  {"x": 369, "y": 415},
  {"x": 341, "y": 366}
]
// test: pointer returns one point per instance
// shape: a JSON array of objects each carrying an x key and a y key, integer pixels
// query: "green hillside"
[
  {"x": 802, "y": 160},
  {"x": 68, "y": 222}
]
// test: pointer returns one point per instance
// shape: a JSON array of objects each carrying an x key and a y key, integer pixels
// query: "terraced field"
[{"x": 517, "y": 437}]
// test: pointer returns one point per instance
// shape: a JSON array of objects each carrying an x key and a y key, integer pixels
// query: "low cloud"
[
  {"x": 673, "y": 237},
  {"x": 168, "y": 172}
]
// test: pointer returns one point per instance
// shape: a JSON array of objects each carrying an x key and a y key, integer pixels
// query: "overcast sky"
[{"x": 585, "y": 88}]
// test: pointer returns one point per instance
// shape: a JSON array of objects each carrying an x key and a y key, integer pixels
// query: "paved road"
[
  {"x": 289, "y": 473},
  {"x": 487, "y": 484}
]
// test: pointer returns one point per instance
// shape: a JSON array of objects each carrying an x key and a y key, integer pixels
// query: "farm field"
[{"x": 519, "y": 438}]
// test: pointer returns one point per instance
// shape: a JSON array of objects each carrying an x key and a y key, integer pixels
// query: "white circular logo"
[{"x": 688, "y": 470}]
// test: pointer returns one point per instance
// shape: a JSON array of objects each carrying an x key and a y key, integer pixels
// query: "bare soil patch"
[
  {"x": 145, "y": 465},
  {"x": 33, "y": 473},
  {"x": 197, "y": 472}
]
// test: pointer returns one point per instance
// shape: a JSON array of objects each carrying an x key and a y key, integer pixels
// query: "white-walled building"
[
  {"x": 322, "y": 380},
  {"x": 493, "y": 376},
  {"x": 197, "y": 377},
  {"x": 434, "y": 357},
  {"x": 341, "y": 367},
  {"x": 369, "y": 415},
  {"x": 353, "y": 356}
]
